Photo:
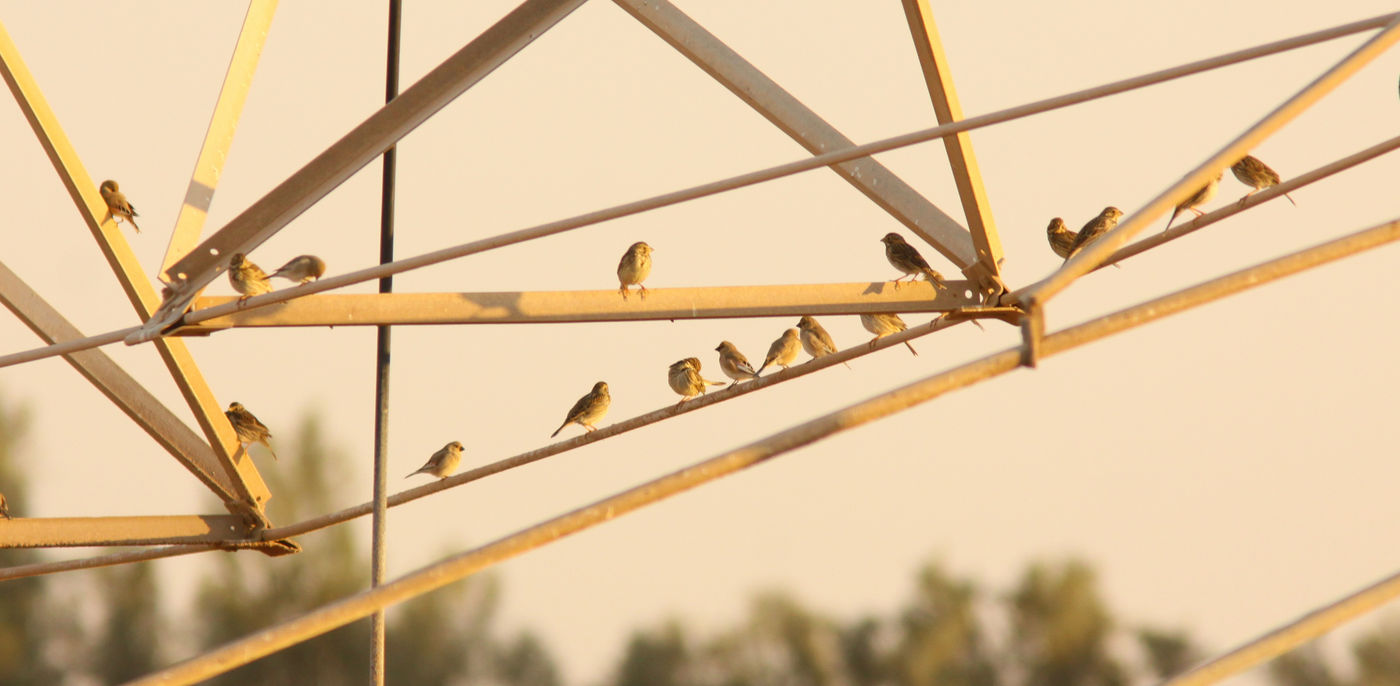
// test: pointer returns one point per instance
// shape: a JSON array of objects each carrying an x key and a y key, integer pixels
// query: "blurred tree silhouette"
[
  {"x": 1051, "y": 629},
  {"x": 443, "y": 638},
  {"x": 28, "y": 616}
]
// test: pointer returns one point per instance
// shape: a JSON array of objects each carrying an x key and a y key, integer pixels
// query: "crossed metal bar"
[{"x": 224, "y": 467}]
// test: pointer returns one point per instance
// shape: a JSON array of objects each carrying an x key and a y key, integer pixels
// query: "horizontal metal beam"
[
  {"x": 35, "y": 532},
  {"x": 357, "y": 148},
  {"x": 541, "y": 307},
  {"x": 157, "y": 325},
  {"x": 803, "y": 125},
  {"x": 125, "y": 392},
  {"x": 440, "y": 574}
]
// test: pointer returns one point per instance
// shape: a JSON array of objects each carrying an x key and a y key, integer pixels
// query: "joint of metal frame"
[{"x": 1032, "y": 331}]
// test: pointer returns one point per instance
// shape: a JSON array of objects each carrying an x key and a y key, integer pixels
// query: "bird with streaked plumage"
[
  {"x": 1252, "y": 172},
  {"x": 248, "y": 428},
  {"x": 684, "y": 378},
  {"x": 588, "y": 409},
  {"x": 247, "y": 278},
  {"x": 118, "y": 208},
  {"x": 906, "y": 258},
  {"x": 1061, "y": 237},
  {"x": 883, "y": 324},
  {"x": 443, "y": 462},
  {"x": 1096, "y": 227},
  {"x": 634, "y": 268},
  {"x": 815, "y": 340}
]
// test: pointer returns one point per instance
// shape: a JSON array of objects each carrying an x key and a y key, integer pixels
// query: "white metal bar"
[
  {"x": 803, "y": 125},
  {"x": 209, "y": 166}
]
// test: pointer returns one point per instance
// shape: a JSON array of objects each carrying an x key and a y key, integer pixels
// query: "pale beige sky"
[{"x": 1228, "y": 468}]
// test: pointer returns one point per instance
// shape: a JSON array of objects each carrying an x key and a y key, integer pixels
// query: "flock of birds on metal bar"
[{"x": 683, "y": 376}]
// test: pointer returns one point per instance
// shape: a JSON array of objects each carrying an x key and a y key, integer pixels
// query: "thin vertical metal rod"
[{"x": 381, "y": 363}]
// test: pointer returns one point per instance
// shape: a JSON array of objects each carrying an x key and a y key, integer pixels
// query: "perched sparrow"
[
  {"x": 443, "y": 462},
  {"x": 1200, "y": 197},
  {"x": 883, "y": 324},
  {"x": 1061, "y": 237},
  {"x": 1251, "y": 172},
  {"x": 117, "y": 206},
  {"x": 733, "y": 363},
  {"x": 815, "y": 340},
  {"x": 684, "y": 377},
  {"x": 634, "y": 268},
  {"x": 590, "y": 408},
  {"x": 1096, "y": 227},
  {"x": 248, "y": 428},
  {"x": 783, "y": 351},
  {"x": 907, "y": 259},
  {"x": 247, "y": 278},
  {"x": 4, "y": 507},
  {"x": 302, "y": 268}
]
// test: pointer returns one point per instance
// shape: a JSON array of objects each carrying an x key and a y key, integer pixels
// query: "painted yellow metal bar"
[
  {"x": 378, "y": 309},
  {"x": 65, "y": 532},
  {"x": 227, "y": 110},
  {"x": 364, "y": 143},
  {"x": 125, "y": 392},
  {"x": 803, "y": 125},
  {"x": 938, "y": 76},
  {"x": 238, "y": 467},
  {"x": 456, "y": 567}
]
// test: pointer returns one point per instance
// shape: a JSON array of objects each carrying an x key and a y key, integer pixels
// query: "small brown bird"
[
  {"x": 684, "y": 377},
  {"x": 118, "y": 208},
  {"x": 783, "y": 351},
  {"x": 883, "y": 324},
  {"x": 907, "y": 259},
  {"x": 590, "y": 408},
  {"x": 634, "y": 269},
  {"x": 443, "y": 462},
  {"x": 733, "y": 363},
  {"x": 247, "y": 278},
  {"x": 1200, "y": 197},
  {"x": 1096, "y": 227},
  {"x": 302, "y": 269},
  {"x": 815, "y": 340},
  {"x": 1061, "y": 237},
  {"x": 1257, "y": 175},
  {"x": 248, "y": 428},
  {"x": 4, "y": 507}
]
